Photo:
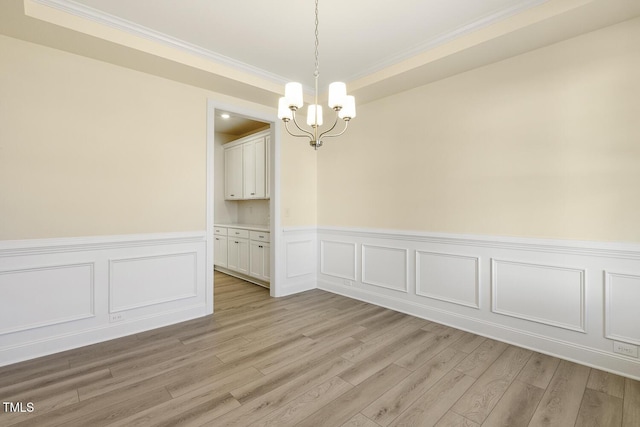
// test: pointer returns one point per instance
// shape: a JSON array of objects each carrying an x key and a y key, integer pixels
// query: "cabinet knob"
[
  {"x": 262, "y": 237},
  {"x": 233, "y": 195},
  {"x": 259, "y": 246},
  {"x": 253, "y": 194}
]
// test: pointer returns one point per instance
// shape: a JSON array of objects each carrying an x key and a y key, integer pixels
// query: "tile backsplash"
[{"x": 253, "y": 212}]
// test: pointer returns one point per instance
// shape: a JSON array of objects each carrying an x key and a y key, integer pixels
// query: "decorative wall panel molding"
[
  {"x": 35, "y": 297},
  {"x": 548, "y": 295},
  {"x": 448, "y": 277},
  {"x": 59, "y": 294},
  {"x": 338, "y": 259},
  {"x": 385, "y": 267},
  {"x": 622, "y": 314},
  {"x": 300, "y": 258},
  {"x": 541, "y": 293},
  {"x": 137, "y": 282},
  {"x": 298, "y": 261}
]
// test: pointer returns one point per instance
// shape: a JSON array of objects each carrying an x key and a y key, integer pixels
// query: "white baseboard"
[
  {"x": 60, "y": 294},
  {"x": 546, "y": 295}
]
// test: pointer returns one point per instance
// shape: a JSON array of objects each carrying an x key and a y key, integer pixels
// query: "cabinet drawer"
[
  {"x": 238, "y": 232},
  {"x": 260, "y": 236},
  {"x": 221, "y": 231}
]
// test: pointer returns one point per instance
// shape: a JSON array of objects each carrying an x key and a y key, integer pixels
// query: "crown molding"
[
  {"x": 88, "y": 13},
  {"x": 449, "y": 36},
  {"x": 114, "y": 22}
]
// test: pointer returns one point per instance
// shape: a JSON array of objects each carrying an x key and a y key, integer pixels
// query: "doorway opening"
[{"x": 242, "y": 224}]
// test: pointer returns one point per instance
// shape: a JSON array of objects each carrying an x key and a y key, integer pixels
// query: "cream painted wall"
[
  {"x": 94, "y": 149},
  {"x": 298, "y": 182},
  {"x": 89, "y": 148},
  {"x": 545, "y": 144}
]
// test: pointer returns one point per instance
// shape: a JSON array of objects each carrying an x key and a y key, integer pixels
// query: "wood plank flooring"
[{"x": 313, "y": 359}]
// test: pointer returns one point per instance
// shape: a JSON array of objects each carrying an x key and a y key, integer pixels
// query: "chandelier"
[{"x": 342, "y": 104}]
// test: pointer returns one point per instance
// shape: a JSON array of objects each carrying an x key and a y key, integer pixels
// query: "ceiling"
[
  {"x": 276, "y": 37},
  {"x": 249, "y": 48},
  {"x": 237, "y": 125}
]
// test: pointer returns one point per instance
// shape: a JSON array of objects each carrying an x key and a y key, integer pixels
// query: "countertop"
[{"x": 250, "y": 227}]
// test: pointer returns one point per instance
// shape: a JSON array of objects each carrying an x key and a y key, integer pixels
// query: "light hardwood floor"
[{"x": 314, "y": 359}]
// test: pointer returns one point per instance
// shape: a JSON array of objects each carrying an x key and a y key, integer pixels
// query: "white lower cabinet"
[
  {"x": 220, "y": 251},
  {"x": 243, "y": 251},
  {"x": 260, "y": 260},
  {"x": 238, "y": 254}
]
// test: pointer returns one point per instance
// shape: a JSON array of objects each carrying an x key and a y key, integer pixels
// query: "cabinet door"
[
  {"x": 243, "y": 256},
  {"x": 267, "y": 168},
  {"x": 238, "y": 255},
  {"x": 260, "y": 260},
  {"x": 249, "y": 170},
  {"x": 266, "y": 262},
  {"x": 220, "y": 251},
  {"x": 260, "y": 155},
  {"x": 253, "y": 162},
  {"x": 233, "y": 173}
]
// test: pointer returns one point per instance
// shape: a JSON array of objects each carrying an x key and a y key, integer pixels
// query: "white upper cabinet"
[
  {"x": 246, "y": 167},
  {"x": 267, "y": 168},
  {"x": 233, "y": 173}
]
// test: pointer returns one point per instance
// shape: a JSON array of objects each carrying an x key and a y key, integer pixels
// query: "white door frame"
[{"x": 275, "y": 226}]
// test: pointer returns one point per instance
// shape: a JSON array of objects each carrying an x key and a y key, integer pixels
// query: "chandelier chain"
[
  {"x": 317, "y": 72},
  {"x": 342, "y": 104}
]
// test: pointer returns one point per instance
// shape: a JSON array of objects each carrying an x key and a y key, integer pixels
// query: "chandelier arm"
[
  {"x": 306, "y": 133},
  {"x": 330, "y": 129},
  {"x": 286, "y": 126},
  {"x": 346, "y": 125}
]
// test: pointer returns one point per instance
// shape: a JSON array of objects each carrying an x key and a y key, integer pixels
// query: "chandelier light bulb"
[
  {"x": 311, "y": 115},
  {"x": 337, "y": 94},
  {"x": 284, "y": 112},
  {"x": 348, "y": 111},
  {"x": 293, "y": 93}
]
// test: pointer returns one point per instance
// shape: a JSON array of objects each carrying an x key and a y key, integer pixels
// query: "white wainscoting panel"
[
  {"x": 338, "y": 259},
  {"x": 142, "y": 281},
  {"x": 448, "y": 277},
  {"x": 58, "y": 294},
  {"x": 622, "y": 307},
  {"x": 541, "y": 293},
  {"x": 45, "y": 296},
  {"x": 300, "y": 258},
  {"x": 545, "y": 295},
  {"x": 298, "y": 261},
  {"x": 385, "y": 267}
]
